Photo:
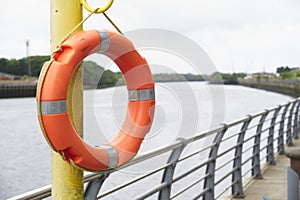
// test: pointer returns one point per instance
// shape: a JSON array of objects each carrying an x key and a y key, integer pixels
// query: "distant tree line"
[
  {"x": 95, "y": 76},
  {"x": 226, "y": 78},
  {"x": 172, "y": 77},
  {"x": 19, "y": 67}
]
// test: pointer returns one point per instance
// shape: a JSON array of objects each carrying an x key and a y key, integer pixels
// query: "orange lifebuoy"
[{"x": 53, "y": 112}]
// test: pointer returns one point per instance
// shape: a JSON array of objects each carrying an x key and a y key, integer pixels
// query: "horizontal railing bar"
[
  {"x": 134, "y": 180},
  {"x": 259, "y": 123},
  {"x": 202, "y": 193},
  {"x": 91, "y": 176},
  {"x": 226, "y": 163},
  {"x": 269, "y": 153},
  {"x": 153, "y": 191},
  {"x": 225, "y": 176},
  {"x": 263, "y": 139},
  {"x": 253, "y": 126},
  {"x": 248, "y": 159},
  {"x": 39, "y": 193},
  {"x": 190, "y": 171},
  {"x": 266, "y": 129},
  {"x": 263, "y": 158},
  {"x": 276, "y": 123},
  {"x": 203, "y": 135},
  {"x": 263, "y": 148},
  {"x": 276, "y": 130},
  {"x": 229, "y": 137},
  {"x": 268, "y": 119},
  {"x": 152, "y": 153},
  {"x": 228, "y": 150},
  {"x": 274, "y": 108},
  {"x": 190, "y": 186},
  {"x": 249, "y": 138},
  {"x": 249, "y": 148},
  {"x": 247, "y": 172},
  {"x": 238, "y": 122},
  {"x": 226, "y": 189},
  {"x": 276, "y": 138},
  {"x": 195, "y": 153},
  {"x": 259, "y": 114}
]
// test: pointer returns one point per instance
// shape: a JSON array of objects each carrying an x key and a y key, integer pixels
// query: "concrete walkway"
[{"x": 274, "y": 182}]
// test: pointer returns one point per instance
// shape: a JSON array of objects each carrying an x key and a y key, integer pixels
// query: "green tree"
[
  {"x": 20, "y": 66},
  {"x": 288, "y": 75},
  {"x": 216, "y": 78},
  {"x": 108, "y": 78}
]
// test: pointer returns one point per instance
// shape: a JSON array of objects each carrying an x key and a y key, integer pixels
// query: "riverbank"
[
  {"x": 18, "y": 89},
  {"x": 15, "y": 89},
  {"x": 287, "y": 87}
]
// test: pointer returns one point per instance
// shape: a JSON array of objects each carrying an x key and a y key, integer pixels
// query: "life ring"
[{"x": 52, "y": 105}]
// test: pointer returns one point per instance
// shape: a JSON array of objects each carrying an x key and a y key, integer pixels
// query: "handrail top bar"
[
  {"x": 153, "y": 153},
  {"x": 259, "y": 113}
]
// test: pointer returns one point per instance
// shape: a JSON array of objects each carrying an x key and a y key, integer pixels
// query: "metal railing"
[{"x": 238, "y": 151}]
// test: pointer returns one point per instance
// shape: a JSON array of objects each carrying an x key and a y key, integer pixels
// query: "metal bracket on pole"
[
  {"x": 209, "y": 181},
  {"x": 237, "y": 183},
  {"x": 280, "y": 147},
  {"x": 94, "y": 187},
  {"x": 270, "y": 146},
  {"x": 256, "y": 168},
  {"x": 169, "y": 171}
]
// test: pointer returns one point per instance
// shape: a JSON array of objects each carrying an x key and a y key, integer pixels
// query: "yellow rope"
[
  {"x": 77, "y": 26},
  {"x": 112, "y": 23}
]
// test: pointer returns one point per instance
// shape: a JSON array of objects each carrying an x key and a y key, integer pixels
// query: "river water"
[{"x": 182, "y": 110}]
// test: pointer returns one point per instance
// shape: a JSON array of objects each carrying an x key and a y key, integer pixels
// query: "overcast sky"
[{"x": 238, "y": 35}]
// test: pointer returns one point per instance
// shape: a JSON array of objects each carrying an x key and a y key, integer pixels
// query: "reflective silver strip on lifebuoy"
[
  {"x": 105, "y": 41},
  {"x": 54, "y": 107},
  {"x": 112, "y": 154},
  {"x": 141, "y": 95}
]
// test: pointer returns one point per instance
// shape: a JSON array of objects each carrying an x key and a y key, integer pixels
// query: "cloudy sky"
[{"x": 248, "y": 35}]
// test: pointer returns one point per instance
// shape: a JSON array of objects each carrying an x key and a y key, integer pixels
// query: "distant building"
[
  {"x": 260, "y": 75},
  {"x": 4, "y": 76}
]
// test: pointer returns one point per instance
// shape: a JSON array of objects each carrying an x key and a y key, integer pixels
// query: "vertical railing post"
[
  {"x": 270, "y": 146},
  {"x": 256, "y": 168},
  {"x": 296, "y": 121},
  {"x": 237, "y": 183},
  {"x": 94, "y": 187},
  {"x": 280, "y": 147},
  {"x": 169, "y": 171},
  {"x": 289, "y": 137},
  {"x": 209, "y": 181}
]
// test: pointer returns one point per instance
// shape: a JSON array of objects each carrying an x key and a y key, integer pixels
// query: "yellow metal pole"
[{"x": 67, "y": 181}]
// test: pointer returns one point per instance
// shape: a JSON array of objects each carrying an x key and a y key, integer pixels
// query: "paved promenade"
[{"x": 274, "y": 182}]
